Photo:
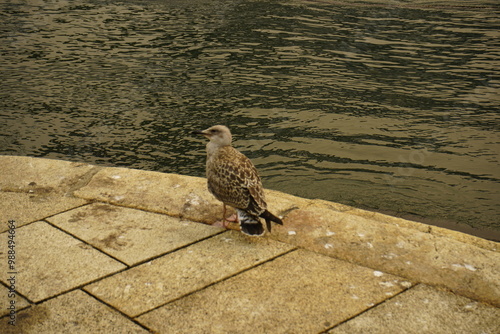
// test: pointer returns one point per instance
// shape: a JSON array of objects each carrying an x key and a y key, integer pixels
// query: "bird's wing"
[
  {"x": 253, "y": 183},
  {"x": 233, "y": 180},
  {"x": 224, "y": 180}
]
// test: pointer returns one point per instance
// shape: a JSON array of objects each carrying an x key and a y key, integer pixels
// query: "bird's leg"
[
  {"x": 222, "y": 223},
  {"x": 232, "y": 218},
  {"x": 225, "y": 221}
]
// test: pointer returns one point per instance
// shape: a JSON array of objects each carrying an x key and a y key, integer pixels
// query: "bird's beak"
[{"x": 199, "y": 132}]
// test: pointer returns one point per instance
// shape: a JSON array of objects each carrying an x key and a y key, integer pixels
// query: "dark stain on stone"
[
  {"x": 40, "y": 190},
  {"x": 94, "y": 210},
  {"x": 27, "y": 319},
  {"x": 77, "y": 216},
  {"x": 112, "y": 241},
  {"x": 103, "y": 208}
]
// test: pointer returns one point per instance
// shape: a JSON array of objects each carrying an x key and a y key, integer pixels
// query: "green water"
[{"x": 383, "y": 107}]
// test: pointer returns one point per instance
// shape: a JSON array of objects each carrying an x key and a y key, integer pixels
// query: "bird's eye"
[{"x": 213, "y": 131}]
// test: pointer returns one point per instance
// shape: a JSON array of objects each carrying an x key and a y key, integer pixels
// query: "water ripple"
[{"x": 386, "y": 107}]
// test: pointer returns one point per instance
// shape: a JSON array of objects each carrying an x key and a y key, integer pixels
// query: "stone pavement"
[{"x": 115, "y": 250}]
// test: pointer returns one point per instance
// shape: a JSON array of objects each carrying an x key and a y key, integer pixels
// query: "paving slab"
[
  {"x": 465, "y": 268},
  {"x": 5, "y": 300},
  {"x": 176, "y": 195},
  {"x": 424, "y": 309},
  {"x": 49, "y": 261},
  {"x": 300, "y": 292},
  {"x": 42, "y": 176},
  {"x": 172, "y": 194},
  {"x": 25, "y": 208},
  {"x": 73, "y": 312},
  {"x": 221, "y": 283},
  {"x": 174, "y": 275},
  {"x": 130, "y": 235},
  {"x": 434, "y": 230}
]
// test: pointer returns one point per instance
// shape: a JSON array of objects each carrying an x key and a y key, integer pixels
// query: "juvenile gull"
[{"x": 233, "y": 180}]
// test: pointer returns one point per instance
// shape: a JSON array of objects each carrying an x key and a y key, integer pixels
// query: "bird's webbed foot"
[{"x": 227, "y": 223}]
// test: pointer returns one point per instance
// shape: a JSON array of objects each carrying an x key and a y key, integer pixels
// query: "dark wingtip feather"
[
  {"x": 268, "y": 216},
  {"x": 268, "y": 224}
]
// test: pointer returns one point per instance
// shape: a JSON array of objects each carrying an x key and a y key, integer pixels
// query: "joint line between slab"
[
  {"x": 127, "y": 267},
  {"x": 63, "y": 211},
  {"x": 86, "y": 243},
  {"x": 176, "y": 249},
  {"x": 144, "y": 261},
  {"x": 138, "y": 208},
  {"x": 18, "y": 294},
  {"x": 369, "y": 308},
  {"x": 219, "y": 281},
  {"x": 117, "y": 310}
]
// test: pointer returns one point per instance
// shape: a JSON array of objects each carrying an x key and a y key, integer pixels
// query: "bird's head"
[{"x": 217, "y": 134}]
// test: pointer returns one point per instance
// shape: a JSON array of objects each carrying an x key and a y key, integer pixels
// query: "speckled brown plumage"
[{"x": 233, "y": 180}]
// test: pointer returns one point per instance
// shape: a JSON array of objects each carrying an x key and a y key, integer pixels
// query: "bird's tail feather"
[
  {"x": 252, "y": 229},
  {"x": 269, "y": 217},
  {"x": 250, "y": 224}
]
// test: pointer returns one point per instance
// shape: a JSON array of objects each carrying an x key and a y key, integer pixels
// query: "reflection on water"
[{"x": 387, "y": 108}]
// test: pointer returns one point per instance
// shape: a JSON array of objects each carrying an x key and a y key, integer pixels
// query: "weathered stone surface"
[
  {"x": 204, "y": 291},
  {"x": 164, "y": 279},
  {"x": 25, "y": 208},
  {"x": 49, "y": 261},
  {"x": 5, "y": 299},
  {"x": 130, "y": 235},
  {"x": 42, "y": 176},
  {"x": 281, "y": 204},
  {"x": 173, "y": 194},
  {"x": 74, "y": 312},
  {"x": 466, "y": 269},
  {"x": 176, "y": 195},
  {"x": 434, "y": 230},
  {"x": 423, "y": 309},
  {"x": 300, "y": 292}
]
